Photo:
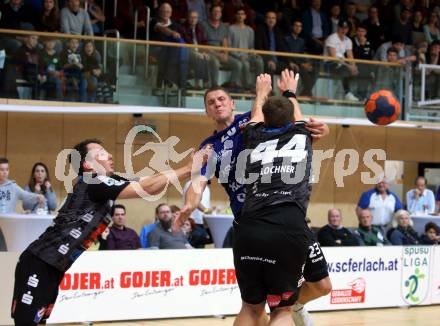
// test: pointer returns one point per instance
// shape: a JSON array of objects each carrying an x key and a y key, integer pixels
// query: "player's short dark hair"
[
  {"x": 213, "y": 89},
  {"x": 277, "y": 111},
  {"x": 4, "y": 160},
  {"x": 117, "y": 206},
  {"x": 431, "y": 225},
  {"x": 82, "y": 149},
  {"x": 392, "y": 50}
]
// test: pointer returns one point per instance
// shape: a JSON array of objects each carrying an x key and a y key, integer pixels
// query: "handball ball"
[{"x": 382, "y": 107}]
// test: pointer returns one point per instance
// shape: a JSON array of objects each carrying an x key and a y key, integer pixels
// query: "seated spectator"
[
  {"x": 121, "y": 237},
  {"x": 230, "y": 12},
  {"x": 198, "y": 6},
  {"x": 431, "y": 235},
  {"x": 334, "y": 234},
  {"x": 196, "y": 234},
  {"x": 243, "y": 36},
  {"x": 306, "y": 68},
  {"x": 75, "y": 20},
  {"x": 338, "y": 45},
  {"x": 163, "y": 236},
  {"x": 418, "y": 22},
  {"x": 386, "y": 11},
  {"x": 27, "y": 62},
  {"x": 335, "y": 16},
  {"x": 368, "y": 234},
  {"x": 402, "y": 27},
  {"x": 350, "y": 17},
  {"x": 287, "y": 13},
  {"x": 217, "y": 35},
  {"x": 376, "y": 31},
  {"x": 91, "y": 59},
  {"x": 387, "y": 78},
  {"x": 433, "y": 76},
  {"x": 362, "y": 50},
  {"x": 39, "y": 183},
  {"x": 420, "y": 199},
  {"x": 51, "y": 70},
  {"x": 16, "y": 15},
  {"x": 124, "y": 19},
  {"x": 10, "y": 192},
  {"x": 431, "y": 30},
  {"x": 381, "y": 202},
  {"x": 146, "y": 229},
  {"x": 269, "y": 37},
  {"x": 402, "y": 233},
  {"x": 97, "y": 17},
  {"x": 403, "y": 55},
  {"x": 49, "y": 18},
  {"x": 169, "y": 58},
  {"x": 73, "y": 71},
  {"x": 316, "y": 27},
  {"x": 199, "y": 60},
  {"x": 180, "y": 10},
  {"x": 400, "y": 7}
]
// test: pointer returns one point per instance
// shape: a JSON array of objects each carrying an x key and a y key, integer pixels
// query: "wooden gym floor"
[{"x": 415, "y": 316}]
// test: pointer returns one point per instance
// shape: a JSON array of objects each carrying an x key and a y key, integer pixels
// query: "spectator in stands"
[
  {"x": 418, "y": 21},
  {"x": 39, "y": 183},
  {"x": 51, "y": 70},
  {"x": 49, "y": 18},
  {"x": 386, "y": 12},
  {"x": 180, "y": 10},
  {"x": 146, "y": 229},
  {"x": 338, "y": 45},
  {"x": 335, "y": 16},
  {"x": 10, "y": 192},
  {"x": 16, "y": 15},
  {"x": 269, "y": 37},
  {"x": 199, "y": 60},
  {"x": 387, "y": 78},
  {"x": 287, "y": 13},
  {"x": 217, "y": 35},
  {"x": 400, "y": 7},
  {"x": 431, "y": 235},
  {"x": 75, "y": 20},
  {"x": 368, "y": 234},
  {"x": 120, "y": 236},
  {"x": 27, "y": 62},
  {"x": 402, "y": 232},
  {"x": 124, "y": 19},
  {"x": 230, "y": 12},
  {"x": 431, "y": 30},
  {"x": 420, "y": 199},
  {"x": 8, "y": 73},
  {"x": 381, "y": 202},
  {"x": 362, "y": 50},
  {"x": 403, "y": 55},
  {"x": 242, "y": 36},
  {"x": 73, "y": 71},
  {"x": 306, "y": 68},
  {"x": 402, "y": 27},
  {"x": 97, "y": 17},
  {"x": 163, "y": 236},
  {"x": 91, "y": 60},
  {"x": 316, "y": 27},
  {"x": 376, "y": 30},
  {"x": 350, "y": 16},
  {"x": 433, "y": 77},
  {"x": 199, "y": 7},
  {"x": 334, "y": 234}
]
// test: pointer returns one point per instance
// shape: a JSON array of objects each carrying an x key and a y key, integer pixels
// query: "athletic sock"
[{"x": 297, "y": 306}]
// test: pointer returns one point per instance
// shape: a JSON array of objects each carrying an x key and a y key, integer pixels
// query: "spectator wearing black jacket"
[
  {"x": 376, "y": 30},
  {"x": 362, "y": 50},
  {"x": 334, "y": 234},
  {"x": 431, "y": 235},
  {"x": 316, "y": 27}
]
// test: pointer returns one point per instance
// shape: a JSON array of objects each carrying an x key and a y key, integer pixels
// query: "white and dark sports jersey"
[
  {"x": 278, "y": 165},
  {"x": 84, "y": 216}
]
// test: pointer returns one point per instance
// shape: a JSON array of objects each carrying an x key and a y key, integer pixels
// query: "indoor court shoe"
[
  {"x": 350, "y": 97},
  {"x": 301, "y": 317}
]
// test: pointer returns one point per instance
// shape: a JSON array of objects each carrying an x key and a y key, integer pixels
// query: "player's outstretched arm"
[
  {"x": 193, "y": 197},
  {"x": 289, "y": 82},
  {"x": 263, "y": 87}
]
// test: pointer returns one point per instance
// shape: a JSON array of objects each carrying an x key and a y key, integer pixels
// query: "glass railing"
[{"x": 108, "y": 69}]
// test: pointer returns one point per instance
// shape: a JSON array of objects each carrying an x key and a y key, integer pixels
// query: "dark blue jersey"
[{"x": 227, "y": 145}]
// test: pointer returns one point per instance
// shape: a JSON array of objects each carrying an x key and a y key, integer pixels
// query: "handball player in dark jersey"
[
  {"x": 84, "y": 215},
  {"x": 271, "y": 238},
  {"x": 227, "y": 144}
]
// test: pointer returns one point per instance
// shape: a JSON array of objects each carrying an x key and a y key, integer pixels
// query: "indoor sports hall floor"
[{"x": 416, "y": 316}]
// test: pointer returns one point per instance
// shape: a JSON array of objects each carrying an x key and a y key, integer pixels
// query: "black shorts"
[
  {"x": 316, "y": 267},
  {"x": 270, "y": 250},
  {"x": 35, "y": 290}
]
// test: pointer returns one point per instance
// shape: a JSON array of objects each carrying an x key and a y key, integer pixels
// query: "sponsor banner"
[{"x": 147, "y": 284}]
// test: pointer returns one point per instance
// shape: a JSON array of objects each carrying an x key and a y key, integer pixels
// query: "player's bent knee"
[{"x": 323, "y": 286}]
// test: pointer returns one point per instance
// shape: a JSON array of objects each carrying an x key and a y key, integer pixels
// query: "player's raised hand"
[
  {"x": 185, "y": 213},
  {"x": 288, "y": 81},
  {"x": 263, "y": 86},
  {"x": 317, "y": 128}
]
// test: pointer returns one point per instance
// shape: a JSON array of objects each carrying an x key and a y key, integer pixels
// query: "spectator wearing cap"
[
  {"x": 431, "y": 235},
  {"x": 403, "y": 55},
  {"x": 376, "y": 30},
  {"x": 368, "y": 234},
  {"x": 120, "y": 236},
  {"x": 338, "y": 45},
  {"x": 316, "y": 27},
  {"x": 420, "y": 199},
  {"x": 403, "y": 27},
  {"x": 75, "y": 20},
  {"x": 382, "y": 203},
  {"x": 334, "y": 234},
  {"x": 431, "y": 30}
]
